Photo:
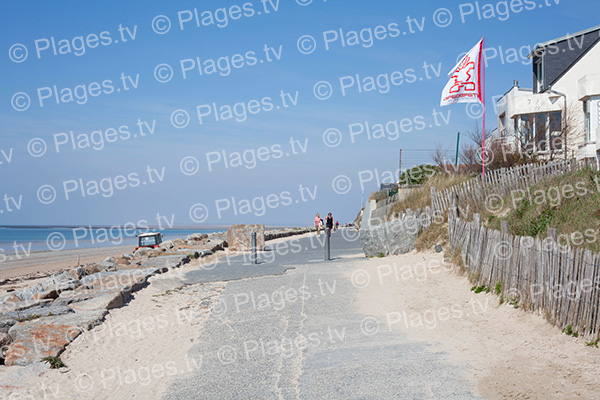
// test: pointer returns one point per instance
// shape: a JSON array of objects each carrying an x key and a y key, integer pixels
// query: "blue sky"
[{"x": 267, "y": 191}]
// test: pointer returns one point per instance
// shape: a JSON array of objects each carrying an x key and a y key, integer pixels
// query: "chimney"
[{"x": 516, "y": 83}]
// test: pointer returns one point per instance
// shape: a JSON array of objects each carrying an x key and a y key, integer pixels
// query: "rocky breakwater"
[
  {"x": 286, "y": 232},
  {"x": 395, "y": 236},
  {"x": 41, "y": 320}
]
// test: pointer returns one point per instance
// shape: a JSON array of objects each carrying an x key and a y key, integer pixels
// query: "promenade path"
[{"x": 292, "y": 328}]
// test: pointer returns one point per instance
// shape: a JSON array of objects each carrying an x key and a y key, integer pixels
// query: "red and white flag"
[{"x": 465, "y": 81}]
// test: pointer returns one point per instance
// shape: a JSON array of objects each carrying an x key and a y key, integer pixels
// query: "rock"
[
  {"x": 50, "y": 294},
  {"x": 116, "y": 280},
  {"x": 81, "y": 294},
  {"x": 107, "y": 263},
  {"x": 438, "y": 248},
  {"x": 6, "y": 323},
  {"x": 155, "y": 253},
  {"x": 4, "y": 339},
  {"x": 239, "y": 237},
  {"x": 10, "y": 318},
  {"x": 77, "y": 273},
  {"x": 167, "y": 245},
  {"x": 28, "y": 293},
  {"x": 13, "y": 298},
  {"x": 34, "y": 340},
  {"x": 105, "y": 301},
  {"x": 59, "y": 282},
  {"x": 90, "y": 269},
  {"x": 107, "y": 290},
  {"x": 196, "y": 237},
  {"x": 122, "y": 260},
  {"x": 141, "y": 252}
]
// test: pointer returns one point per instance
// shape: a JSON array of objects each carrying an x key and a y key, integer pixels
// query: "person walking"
[
  {"x": 329, "y": 222},
  {"x": 337, "y": 225},
  {"x": 318, "y": 224}
]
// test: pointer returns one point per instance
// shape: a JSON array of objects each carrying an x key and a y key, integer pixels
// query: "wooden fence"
[
  {"x": 472, "y": 194},
  {"x": 558, "y": 282}
]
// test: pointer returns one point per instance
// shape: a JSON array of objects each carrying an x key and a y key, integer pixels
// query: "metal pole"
[
  {"x": 327, "y": 244},
  {"x": 254, "y": 260},
  {"x": 482, "y": 55}
]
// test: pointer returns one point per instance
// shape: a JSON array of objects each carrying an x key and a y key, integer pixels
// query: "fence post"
[
  {"x": 552, "y": 234},
  {"x": 504, "y": 228}
]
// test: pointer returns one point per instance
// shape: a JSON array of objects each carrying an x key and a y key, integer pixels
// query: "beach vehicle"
[{"x": 151, "y": 240}]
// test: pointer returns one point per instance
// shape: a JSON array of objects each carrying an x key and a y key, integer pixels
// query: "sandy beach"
[{"x": 18, "y": 273}]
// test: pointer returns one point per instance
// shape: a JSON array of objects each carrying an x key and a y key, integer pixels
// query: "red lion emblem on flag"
[{"x": 463, "y": 77}]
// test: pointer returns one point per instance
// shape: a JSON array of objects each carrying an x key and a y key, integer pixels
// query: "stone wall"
[{"x": 396, "y": 236}]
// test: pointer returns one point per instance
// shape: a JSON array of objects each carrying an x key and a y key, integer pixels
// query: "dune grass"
[
  {"x": 420, "y": 197},
  {"x": 570, "y": 203}
]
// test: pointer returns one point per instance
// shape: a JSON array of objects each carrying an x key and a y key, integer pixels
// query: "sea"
[{"x": 15, "y": 240}]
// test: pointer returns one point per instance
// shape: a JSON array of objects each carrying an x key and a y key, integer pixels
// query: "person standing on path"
[
  {"x": 318, "y": 223},
  {"x": 329, "y": 222}
]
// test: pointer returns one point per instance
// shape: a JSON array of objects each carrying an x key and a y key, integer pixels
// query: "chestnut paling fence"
[
  {"x": 473, "y": 194},
  {"x": 558, "y": 282}
]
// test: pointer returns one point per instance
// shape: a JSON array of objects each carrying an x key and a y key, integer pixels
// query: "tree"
[
  {"x": 498, "y": 153},
  {"x": 440, "y": 156}
]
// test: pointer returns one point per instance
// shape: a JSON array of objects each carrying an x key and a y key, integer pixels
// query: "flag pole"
[{"x": 483, "y": 101}]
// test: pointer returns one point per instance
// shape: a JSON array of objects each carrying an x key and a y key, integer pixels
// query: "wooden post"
[
  {"x": 504, "y": 228},
  {"x": 552, "y": 234}
]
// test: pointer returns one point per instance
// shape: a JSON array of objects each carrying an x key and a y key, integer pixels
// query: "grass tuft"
[{"x": 55, "y": 362}]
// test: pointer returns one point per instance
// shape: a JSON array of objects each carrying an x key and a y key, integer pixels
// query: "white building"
[{"x": 562, "y": 111}]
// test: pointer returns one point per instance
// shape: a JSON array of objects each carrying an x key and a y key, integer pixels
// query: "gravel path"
[{"x": 299, "y": 335}]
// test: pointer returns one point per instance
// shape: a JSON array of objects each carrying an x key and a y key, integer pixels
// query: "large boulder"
[
  {"x": 167, "y": 245},
  {"x": 239, "y": 237},
  {"x": 43, "y": 337},
  {"x": 196, "y": 237},
  {"x": 48, "y": 287},
  {"x": 109, "y": 264},
  {"x": 10, "y": 318}
]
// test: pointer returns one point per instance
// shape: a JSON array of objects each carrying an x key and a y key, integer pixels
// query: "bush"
[{"x": 418, "y": 175}]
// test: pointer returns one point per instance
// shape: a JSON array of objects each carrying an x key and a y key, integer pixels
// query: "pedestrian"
[
  {"x": 318, "y": 224},
  {"x": 337, "y": 225},
  {"x": 329, "y": 222}
]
